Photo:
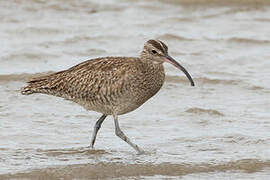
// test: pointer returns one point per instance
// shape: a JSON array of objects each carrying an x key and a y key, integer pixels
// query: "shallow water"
[{"x": 219, "y": 129}]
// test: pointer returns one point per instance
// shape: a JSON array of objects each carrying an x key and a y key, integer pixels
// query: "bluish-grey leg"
[
  {"x": 120, "y": 134},
  {"x": 96, "y": 128}
]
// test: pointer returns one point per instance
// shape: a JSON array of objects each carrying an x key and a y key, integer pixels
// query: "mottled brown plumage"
[{"x": 110, "y": 85}]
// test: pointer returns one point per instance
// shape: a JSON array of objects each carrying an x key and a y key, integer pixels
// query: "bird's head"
[{"x": 157, "y": 52}]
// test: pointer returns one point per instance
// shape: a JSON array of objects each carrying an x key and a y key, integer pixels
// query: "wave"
[
  {"x": 238, "y": 139},
  {"x": 39, "y": 31},
  {"x": 73, "y": 151},
  {"x": 179, "y": 19},
  {"x": 244, "y": 139},
  {"x": 114, "y": 170},
  {"x": 263, "y": 19},
  {"x": 78, "y": 39},
  {"x": 256, "y": 88},
  {"x": 218, "y": 81},
  {"x": 173, "y": 37},
  {"x": 207, "y": 81},
  {"x": 88, "y": 6},
  {"x": 243, "y": 41},
  {"x": 203, "y": 80},
  {"x": 219, "y": 2},
  {"x": 21, "y": 77},
  {"x": 204, "y": 111},
  {"x": 248, "y": 41},
  {"x": 29, "y": 56}
]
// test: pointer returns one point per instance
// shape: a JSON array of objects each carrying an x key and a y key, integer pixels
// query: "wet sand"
[
  {"x": 142, "y": 171},
  {"x": 219, "y": 129}
]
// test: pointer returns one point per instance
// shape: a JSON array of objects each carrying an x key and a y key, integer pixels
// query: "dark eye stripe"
[
  {"x": 163, "y": 45},
  {"x": 159, "y": 45}
]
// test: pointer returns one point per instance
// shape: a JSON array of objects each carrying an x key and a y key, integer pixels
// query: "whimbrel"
[{"x": 110, "y": 85}]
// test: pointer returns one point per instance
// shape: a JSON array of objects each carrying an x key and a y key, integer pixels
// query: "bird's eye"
[{"x": 154, "y": 51}]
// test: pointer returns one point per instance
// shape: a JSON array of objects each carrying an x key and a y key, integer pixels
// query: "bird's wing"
[{"x": 92, "y": 80}]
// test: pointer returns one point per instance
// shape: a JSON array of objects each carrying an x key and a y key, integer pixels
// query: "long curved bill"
[{"x": 170, "y": 60}]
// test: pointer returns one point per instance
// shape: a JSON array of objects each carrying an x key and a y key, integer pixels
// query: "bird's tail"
[
  {"x": 38, "y": 85},
  {"x": 46, "y": 84}
]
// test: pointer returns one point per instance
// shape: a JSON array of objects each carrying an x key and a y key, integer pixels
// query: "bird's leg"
[
  {"x": 120, "y": 134},
  {"x": 96, "y": 128}
]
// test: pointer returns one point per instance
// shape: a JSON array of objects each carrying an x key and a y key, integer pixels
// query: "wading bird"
[{"x": 110, "y": 85}]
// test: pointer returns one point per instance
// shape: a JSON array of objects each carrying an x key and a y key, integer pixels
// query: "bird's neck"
[
  {"x": 153, "y": 76},
  {"x": 152, "y": 68},
  {"x": 151, "y": 63}
]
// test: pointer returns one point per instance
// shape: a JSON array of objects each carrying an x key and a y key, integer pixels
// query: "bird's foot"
[
  {"x": 140, "y": 152},
  {"x": 90, "y": 147}
]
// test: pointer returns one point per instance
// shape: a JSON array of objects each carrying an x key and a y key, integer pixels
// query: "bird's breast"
[
  {"x": 152, "y": 81},
  {"x": 142, "y": 88}
]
